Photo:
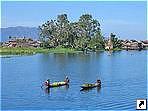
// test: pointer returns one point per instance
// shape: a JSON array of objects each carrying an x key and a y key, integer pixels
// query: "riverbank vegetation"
[{"x": 23, "y": 50}]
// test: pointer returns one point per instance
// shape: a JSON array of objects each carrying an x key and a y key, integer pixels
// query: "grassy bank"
[
  {"x": 22, "y": 51},
  {"x": 30, "y": 51}
]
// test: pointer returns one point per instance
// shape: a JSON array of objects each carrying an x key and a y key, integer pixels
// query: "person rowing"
[
  {"x": 47, "y": 82},
  {"x": 66, "y": 79},
  {"x": 98, "y": 82}
]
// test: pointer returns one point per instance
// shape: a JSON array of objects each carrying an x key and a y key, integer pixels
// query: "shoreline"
[{"x": 32, "y": 51}]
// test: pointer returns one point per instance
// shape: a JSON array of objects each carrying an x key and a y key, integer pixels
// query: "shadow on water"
[
  {"x": 48, "y": 90},
  {"x": 89, "y": 89}
]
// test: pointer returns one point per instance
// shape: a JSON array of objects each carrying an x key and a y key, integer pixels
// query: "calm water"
[{"x": 123, "y": 75}]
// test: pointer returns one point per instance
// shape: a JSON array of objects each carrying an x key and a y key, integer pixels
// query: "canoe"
[
  {"x": 87, "y": 86},
  {"x": 57, "y": 84}
]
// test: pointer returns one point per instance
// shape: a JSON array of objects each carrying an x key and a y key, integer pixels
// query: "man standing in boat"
[
  {"x": 47, "y": 82},
  {"x": 98, "y": 83},
  {"x": 66, "y": 79}
]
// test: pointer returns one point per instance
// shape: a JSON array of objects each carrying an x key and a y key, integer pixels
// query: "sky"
[{"x": 128, "y": 20}]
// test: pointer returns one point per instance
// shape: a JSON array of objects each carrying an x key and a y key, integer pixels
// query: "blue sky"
[{"x": 126, "y": 19}]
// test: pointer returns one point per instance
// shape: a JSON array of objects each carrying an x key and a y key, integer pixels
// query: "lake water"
[{"x": 123, "y": 75}]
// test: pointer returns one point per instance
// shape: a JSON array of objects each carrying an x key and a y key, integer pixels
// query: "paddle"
[{"x": 42, "y": 86}]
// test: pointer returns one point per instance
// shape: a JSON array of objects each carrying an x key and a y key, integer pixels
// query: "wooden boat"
[
  {"x": 57, "y": 84},
  {"x": 88, "y": 86}
]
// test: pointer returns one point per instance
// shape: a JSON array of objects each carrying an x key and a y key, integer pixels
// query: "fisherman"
[
  {"x": 98, "y": 82},
  {"x": 47, "y": 82},
  {"x": 66, "y": 79}
]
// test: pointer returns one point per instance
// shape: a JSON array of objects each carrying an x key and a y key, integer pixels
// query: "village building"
[
  {"x": 21, "y": 42},
  {"x": 133, "y": 45}
]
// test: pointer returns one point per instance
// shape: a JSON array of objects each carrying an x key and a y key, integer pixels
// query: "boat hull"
[
  {"x": 57, "y": 84},
  {"x": 89, "y": 86}
]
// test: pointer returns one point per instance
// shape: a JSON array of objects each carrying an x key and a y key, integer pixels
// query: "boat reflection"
[
  {"x": 98, "y": 89},
  {"x": 66, "y": 87},
  {"x": 89, "y": 89}
]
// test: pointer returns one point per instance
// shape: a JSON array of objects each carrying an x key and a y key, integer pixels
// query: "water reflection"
[
  {"x": 66, "y": 87},
  {"x": 98, "y": 89},
  {"x": 110, "y": 53},
  {"x": 48, "y": 90},
  {"x": 89, "y": 89},
  {"x": 123, "y": 76}
]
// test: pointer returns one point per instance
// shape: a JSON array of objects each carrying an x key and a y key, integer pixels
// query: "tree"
[
  {"x": 56, "y": 31},
  {"x": 83, "y": 34},
  {"x": 87, "y": 29},
  {"x": 88, "y": 26},
  {"x": 115, "y": 41},
  {"x": 62, "y": 26}
]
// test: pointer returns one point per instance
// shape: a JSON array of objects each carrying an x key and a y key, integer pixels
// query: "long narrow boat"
[
  {"x": 57, "y": 84},
  {"x": 88, "y": 86}
]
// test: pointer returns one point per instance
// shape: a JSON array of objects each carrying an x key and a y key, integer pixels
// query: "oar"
[{"x": 42, "y": 85}]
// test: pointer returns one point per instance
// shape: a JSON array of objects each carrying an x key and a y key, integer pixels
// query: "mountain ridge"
[{"x": 19, "y": 31}]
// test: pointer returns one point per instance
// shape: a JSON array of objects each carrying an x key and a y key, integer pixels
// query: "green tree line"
[{"x": 84, "y": 34}]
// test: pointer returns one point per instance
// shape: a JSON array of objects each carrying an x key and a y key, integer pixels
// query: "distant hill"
[{"x": 19, "y": 31}]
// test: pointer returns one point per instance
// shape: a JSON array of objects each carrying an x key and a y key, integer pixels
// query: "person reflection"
[
  {"x": 67, "y": 86},
  {"x": 87, "y": 90},
  {"x": 47, "y": 90},
  {"x": 98, "y": 89}
]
